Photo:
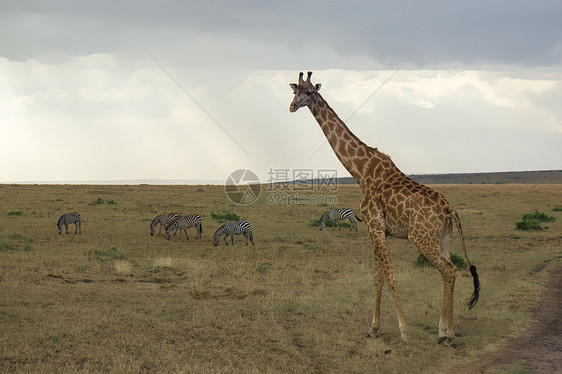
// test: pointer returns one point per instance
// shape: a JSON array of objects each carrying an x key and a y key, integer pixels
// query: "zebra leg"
[
  {"x": 246, "y": 236},
  {"x": 66, "y": 227},
  {"x": 75, "y": 227},
  {"x": 186, "y": 237},
  {"x": 352, "y": 223},
  {"x": 80, "y": 227},
  {"x": 225, "y": 242},
  {"x": 232, "y": 238},
  {"x": 338, "y": 224},
  {"x": 252, "y": 238}
]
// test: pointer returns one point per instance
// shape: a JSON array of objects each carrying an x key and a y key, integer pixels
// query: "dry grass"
[
  {"x": 123, "y": 267},
  {"x": 115, "y": 299},
  {"x": 163, "y": 262}
]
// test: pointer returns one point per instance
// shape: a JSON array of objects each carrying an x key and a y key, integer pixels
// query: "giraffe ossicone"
[{"x": 392, "y": 204}]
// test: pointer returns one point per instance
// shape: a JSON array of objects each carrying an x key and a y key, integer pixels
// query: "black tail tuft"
[
  {"x": 359, "y": 219},
  {"x": 476, "y": 295}
]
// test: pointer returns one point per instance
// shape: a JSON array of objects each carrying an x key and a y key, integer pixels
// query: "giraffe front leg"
[
  {"x": 382, "y": 257},
  {"x": 391, "y": 280}
]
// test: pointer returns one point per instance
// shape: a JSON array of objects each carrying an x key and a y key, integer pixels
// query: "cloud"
[
  {"x": 262, "y": 35},
  {"x": 483, "y": 84}
]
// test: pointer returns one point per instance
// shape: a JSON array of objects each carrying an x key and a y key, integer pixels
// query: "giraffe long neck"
[{"x": 349, "y": 149}]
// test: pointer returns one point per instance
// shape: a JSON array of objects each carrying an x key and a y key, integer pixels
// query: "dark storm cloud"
[{"x": 256, "y": 34}]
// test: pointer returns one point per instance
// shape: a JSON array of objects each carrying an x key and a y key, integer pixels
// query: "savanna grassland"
[{"x": 114, "y": 299}]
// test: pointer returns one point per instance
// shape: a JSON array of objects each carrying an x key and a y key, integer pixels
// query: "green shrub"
[
  {"x": 539, "y": 216},
  {"x": 422, "y": 261},
  {"x": 532, "y": 221},
  {"x": 15, "y": 213},
  {"x": 98, "y": 201},
  {"x": 529, "y": 225},
  {"x": 226, "y": 217},
  {"x": 557, "y": 209}
]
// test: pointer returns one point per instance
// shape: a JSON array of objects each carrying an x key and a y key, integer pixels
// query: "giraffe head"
[{"x": 304, "y": 92}]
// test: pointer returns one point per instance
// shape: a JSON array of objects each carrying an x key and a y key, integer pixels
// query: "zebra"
[
  {"x": 336, "y": 214},
  {"x": 67, "y": 218},
  {"x": 234, "y": 228},
  {"x": 163, "y": 220},
  {"x": 183, "y": 223}
]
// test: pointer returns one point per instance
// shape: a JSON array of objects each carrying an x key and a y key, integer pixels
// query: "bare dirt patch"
[{"x": 540, "y": 347}]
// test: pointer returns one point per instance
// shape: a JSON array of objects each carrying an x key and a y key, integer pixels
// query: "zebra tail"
[{"x": 358, "y": 218}]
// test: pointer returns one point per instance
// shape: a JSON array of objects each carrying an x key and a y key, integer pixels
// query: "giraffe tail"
[{"x": 476, "y": 294}]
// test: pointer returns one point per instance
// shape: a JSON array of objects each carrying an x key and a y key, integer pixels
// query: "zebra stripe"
[
  {"x": 338, "y": 214},
  {"x": 183, "y": 223},
  {"x": 234, "y": 228},
  {"x": 163, "y": 220},
  {"x": 67, "y": 218}
]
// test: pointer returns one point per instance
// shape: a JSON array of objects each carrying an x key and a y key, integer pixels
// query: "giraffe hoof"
[
  {"x": 445, "y": 341},
  {"x": 372, "y": 334}
]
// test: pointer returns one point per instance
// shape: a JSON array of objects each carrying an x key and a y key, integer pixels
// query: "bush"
[
  {"x": 422, "y": 261},
  {"x": 532, "y": 221},
  {"x": 15, "y": 213},
  {"x": 226, "y": 217},
  {"x": 557, "y": 209},
  {"x": 529, "y": 225},
  {"x": 539, "y": 216}
]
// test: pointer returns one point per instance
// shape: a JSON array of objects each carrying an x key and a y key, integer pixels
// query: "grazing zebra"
[
  {"x": 183, "y": 223},
  {"x": 163, "y": 220},
  {"x": 67, "y": 218},
  {"x": 234, "y": 228},
  {"x": 336, "y": 214}
]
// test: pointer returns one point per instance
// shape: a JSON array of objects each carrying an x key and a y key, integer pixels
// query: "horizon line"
[{"x": 155, "y": 181}]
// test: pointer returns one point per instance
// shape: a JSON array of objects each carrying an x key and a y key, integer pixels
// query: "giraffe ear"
[
  {"x": 294, "y": 87},
  {"x": 317, "y": 87}
]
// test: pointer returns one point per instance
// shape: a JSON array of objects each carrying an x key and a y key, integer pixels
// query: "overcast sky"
[{"x": 121, "y": 90}]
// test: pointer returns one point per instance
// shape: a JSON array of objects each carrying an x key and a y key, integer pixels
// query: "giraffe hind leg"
[
  {"x": 379, "y": 283},
  {"x": 435, "y": 254}
]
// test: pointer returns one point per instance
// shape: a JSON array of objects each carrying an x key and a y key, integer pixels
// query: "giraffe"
[{"x": 392, "y": 205}]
